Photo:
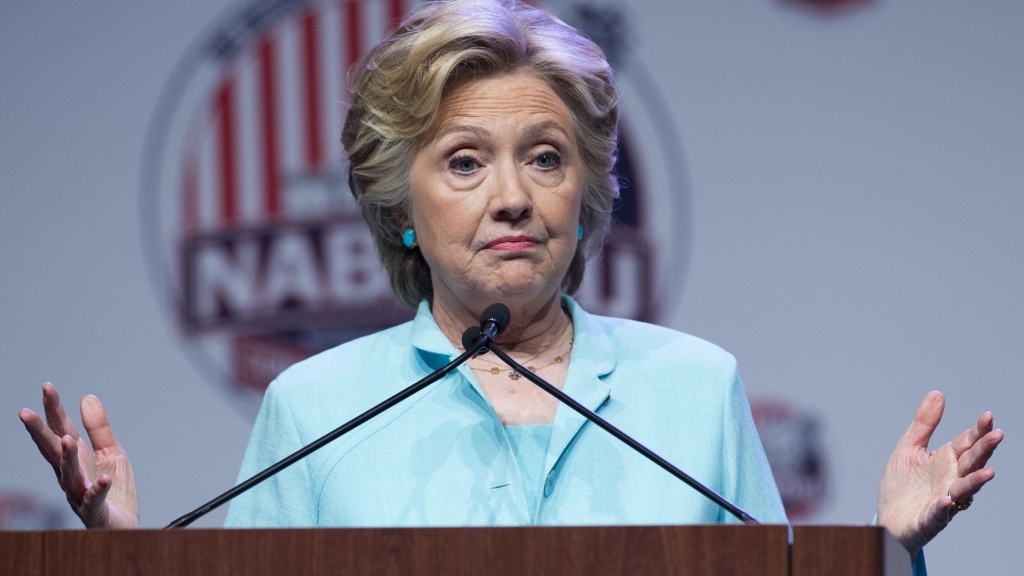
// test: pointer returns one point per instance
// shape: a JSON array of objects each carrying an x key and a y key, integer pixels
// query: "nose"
[{"x": 512, "y": 201}]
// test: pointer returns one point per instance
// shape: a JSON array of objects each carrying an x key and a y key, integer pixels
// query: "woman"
[{"x": 481, "y": 137}]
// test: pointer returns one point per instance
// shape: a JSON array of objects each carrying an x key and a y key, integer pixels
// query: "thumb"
[
  {"x": 929, "y": 413},
  {"x": 930, "y": 522},
  {"x": 937, "y": 516},
  {"x": 93, "y": 514},
  {"x": 97, "y": 425}
]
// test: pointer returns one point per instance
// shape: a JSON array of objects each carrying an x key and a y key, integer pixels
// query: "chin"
[
  {"x": 520, "y": 279},
  {"x": 521, "y": 288}
]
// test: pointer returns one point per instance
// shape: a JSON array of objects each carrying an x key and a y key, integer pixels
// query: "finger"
[
  {"x": 963, "y": 489},
  {"x": 937, "y": 516},
  {"x": 967, "y": 438},
  {"x": 94, "y": 500},
  {"x": 97, "y": 425},
  {"x": 978, "y": 455},
  {"x": 929, "y": 413},
  {"x": 46, "y": 441},
  {"x": 56, "y": 418},
  {"x": 72, "y": 477}
]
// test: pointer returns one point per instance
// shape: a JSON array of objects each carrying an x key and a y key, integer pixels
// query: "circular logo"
[{"x": 252, "y": 236}]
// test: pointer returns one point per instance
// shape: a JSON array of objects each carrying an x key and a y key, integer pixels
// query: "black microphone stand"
[
  {"x": 593, "y": 417},
  {"x": 482, "y": 341}
]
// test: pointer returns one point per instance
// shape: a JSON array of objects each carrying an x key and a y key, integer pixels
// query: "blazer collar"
[
  {"x": 428, "y": 338},
  {"x": 593, "y": 348},
  {"x": 592, "y": 351}
]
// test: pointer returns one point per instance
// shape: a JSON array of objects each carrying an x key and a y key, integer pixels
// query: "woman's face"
[{"x": 496, "y": 191}]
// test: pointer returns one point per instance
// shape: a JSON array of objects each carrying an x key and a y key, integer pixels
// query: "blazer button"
[{"x": 549, "y": 485}]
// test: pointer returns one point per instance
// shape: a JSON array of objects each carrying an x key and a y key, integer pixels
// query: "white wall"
[{"x": 857, "y": 233}]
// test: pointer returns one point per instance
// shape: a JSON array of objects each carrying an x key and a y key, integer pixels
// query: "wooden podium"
[{"x": 582, "y": 551}]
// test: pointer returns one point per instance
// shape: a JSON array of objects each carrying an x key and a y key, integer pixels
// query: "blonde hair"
[{"x": 397, "y": 90}]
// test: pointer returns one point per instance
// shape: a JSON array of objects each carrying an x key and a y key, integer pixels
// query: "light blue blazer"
[{"x": 442, "y": 457}]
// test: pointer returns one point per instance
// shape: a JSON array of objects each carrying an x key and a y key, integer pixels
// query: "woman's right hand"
[{"x": 97, "y": 480}]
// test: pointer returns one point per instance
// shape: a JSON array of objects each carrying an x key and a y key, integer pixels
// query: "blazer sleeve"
[
  {"x": 747, "y": 477},
  {"x": 286, "y": 498}
]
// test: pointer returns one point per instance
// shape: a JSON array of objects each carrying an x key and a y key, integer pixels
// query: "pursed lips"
[{"x": 511, "y": 243}]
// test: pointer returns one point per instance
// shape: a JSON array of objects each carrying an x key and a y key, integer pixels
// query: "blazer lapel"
[{"x": 593, "y": 357}]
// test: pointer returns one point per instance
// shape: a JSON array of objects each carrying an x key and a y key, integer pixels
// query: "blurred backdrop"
[{"x": 829, "y": 189}]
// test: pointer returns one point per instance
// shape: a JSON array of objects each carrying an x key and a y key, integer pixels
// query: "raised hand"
[
  {"x": 97, "y": 480},
  {"x": 921, "y": 491}
]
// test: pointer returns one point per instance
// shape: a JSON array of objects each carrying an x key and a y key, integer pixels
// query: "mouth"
[{"x": 511, "y": 243}]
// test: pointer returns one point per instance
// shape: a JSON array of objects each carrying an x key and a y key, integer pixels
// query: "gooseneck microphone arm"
[
  {"x": 593, "y": 417},
  {"x": 340, "y": 431}
]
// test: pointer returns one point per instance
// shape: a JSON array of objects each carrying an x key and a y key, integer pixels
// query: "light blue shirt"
[
  {"x": 443, "y": 458},
  {"x": 530, "y": 447}
]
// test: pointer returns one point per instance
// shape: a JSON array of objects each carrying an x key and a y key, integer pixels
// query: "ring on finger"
[{"x": 960, "y": 506}]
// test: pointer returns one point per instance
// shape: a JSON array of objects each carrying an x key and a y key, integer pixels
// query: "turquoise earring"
[
  {"x": 579, "y": 232},
  {"x": 409, "y": 238}
]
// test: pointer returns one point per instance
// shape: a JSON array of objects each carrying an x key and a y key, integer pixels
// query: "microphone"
[
  {"x": 494, "y": 320},
  {"x": 469, "y": 338},
  {"x": 622, "y": 437}
]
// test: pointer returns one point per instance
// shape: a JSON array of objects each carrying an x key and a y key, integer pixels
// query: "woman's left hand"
[{"x": 921, "y": 491}]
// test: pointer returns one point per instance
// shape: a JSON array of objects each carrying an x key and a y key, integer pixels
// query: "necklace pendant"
[
  {"x": 514, "y": 375},
  {"x": 495, "y": 370}
]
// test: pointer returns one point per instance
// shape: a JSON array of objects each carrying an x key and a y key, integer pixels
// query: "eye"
[
  {"x": 548, "y": 160},
  {"x": 463, "y": 164}
]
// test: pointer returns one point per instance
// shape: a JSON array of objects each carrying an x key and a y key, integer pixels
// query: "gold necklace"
[
  {"x": 515, "y": 375},
  {"x": 567, "y": 327}
]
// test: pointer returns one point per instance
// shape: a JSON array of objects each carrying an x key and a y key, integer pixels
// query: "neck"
[{"x": 535, "y": 325}]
